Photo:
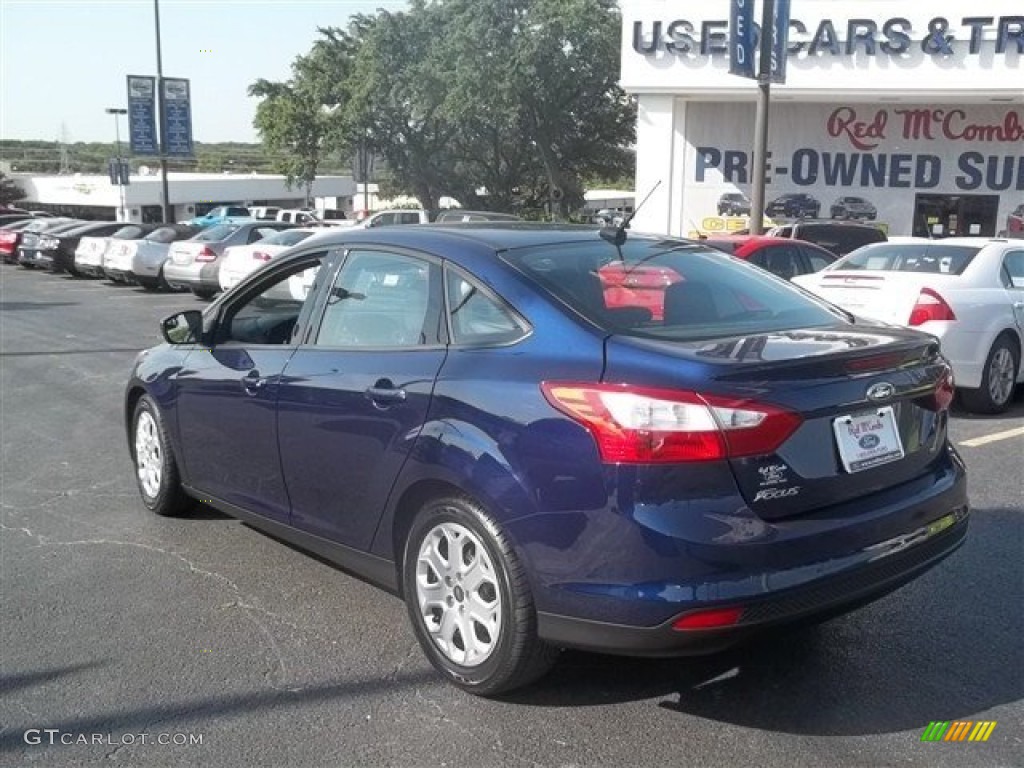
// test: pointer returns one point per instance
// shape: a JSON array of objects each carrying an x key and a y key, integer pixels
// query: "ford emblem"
[
  {"x": 867, "y": 442},
  {"x": 883, "y": 390}
]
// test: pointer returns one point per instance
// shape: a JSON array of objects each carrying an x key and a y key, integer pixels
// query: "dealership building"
[
  {"x": 191, "y": 194},
  {"x": 910, "y": 115}
]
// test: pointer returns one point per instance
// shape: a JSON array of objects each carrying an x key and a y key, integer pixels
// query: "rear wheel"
[
  {"x": 156, "y": 470},
  {"x": 469, "y": 600},
  {"x": 998, "y": 380},
  {"x": 204, "y": 293}
]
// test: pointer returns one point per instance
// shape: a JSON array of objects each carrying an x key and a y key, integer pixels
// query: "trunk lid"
[
  {"x": 866, "y": 398},
  {"x": 888, "y": 297}
]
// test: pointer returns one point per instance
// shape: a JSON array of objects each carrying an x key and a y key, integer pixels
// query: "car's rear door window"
[{"x": 382, "y": 300}]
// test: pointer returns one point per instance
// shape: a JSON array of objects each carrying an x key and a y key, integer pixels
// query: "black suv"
[
  {"x": 794, "y": 205},
  {"x": 733, "y": 204},
  {"x": 839, "y": 237}
]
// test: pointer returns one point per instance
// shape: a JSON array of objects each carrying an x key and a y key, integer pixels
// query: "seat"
[{"x": 690, "y": 303}]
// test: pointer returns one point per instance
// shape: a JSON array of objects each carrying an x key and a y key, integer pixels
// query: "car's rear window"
[
  {"x": 934, "y": 258},
  {"x": 131, "y": 232},
  {"x": 216, "y": 233},
  {"x": 288, "y": 237},
  {"x": 667, "y": 289}
]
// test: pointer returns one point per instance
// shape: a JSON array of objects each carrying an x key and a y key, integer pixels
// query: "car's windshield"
[
  {"x": 667, "y": 289},
  {"x": 910, "y": 257}
]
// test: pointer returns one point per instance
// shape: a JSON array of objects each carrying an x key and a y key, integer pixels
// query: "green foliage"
[{"x": 502, "y": 104}]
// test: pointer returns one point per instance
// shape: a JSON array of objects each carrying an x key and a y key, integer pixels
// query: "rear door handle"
[
  {"x": 252, "y": 382},
  {"x": 385, "y": 394}
]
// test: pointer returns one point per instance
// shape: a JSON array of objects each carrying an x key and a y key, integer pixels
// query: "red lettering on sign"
[{"x": 843, "y": 121}]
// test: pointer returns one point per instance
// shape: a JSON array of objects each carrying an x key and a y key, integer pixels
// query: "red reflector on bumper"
[{"x": 713, "y": 618}]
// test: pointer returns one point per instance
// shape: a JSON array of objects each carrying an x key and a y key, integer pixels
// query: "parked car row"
[{"x": 797, "y": 205}]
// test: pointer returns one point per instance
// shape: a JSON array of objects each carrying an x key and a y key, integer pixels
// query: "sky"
[{"x": 63, "y": 62}]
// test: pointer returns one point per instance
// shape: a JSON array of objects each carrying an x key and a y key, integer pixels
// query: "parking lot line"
[{"x": 993, "y": 438}]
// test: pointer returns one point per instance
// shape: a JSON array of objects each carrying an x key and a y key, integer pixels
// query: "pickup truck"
[{"x": 221, "y": 214}]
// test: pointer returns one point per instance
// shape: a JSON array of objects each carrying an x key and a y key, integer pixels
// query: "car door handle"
[
  {"x": 385, "y": 394},
  {"x": 252, "y": 382}
]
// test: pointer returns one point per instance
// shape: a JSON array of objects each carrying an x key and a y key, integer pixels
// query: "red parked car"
[
  {"x": 1015, "y": 221},
  {"x": 781, "y": 256}
]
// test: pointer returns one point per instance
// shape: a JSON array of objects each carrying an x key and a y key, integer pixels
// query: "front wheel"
[
  {"x": 469, "y": 600},
  {"x": 204, "y": 293},
  {"x": 997, "y": 381},
  {"x": 156, "y": 471}
]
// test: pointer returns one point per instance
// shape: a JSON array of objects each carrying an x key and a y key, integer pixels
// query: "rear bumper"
[
  {"x": 840, "y": 588},
  {"x": 193, "y": 276}
]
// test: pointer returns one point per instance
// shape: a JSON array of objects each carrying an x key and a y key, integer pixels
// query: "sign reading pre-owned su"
[{"x": 177, "y": 123}]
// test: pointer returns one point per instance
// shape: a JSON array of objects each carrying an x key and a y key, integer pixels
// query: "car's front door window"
[{"x": 270, "y": 315}]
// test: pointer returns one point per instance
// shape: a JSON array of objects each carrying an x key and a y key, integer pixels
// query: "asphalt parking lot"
[{"x": 116, "y": 624}]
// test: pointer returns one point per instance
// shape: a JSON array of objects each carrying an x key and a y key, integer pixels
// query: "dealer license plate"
[{"x": 866, "y": 440}]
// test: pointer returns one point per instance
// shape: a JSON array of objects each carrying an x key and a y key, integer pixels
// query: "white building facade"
[
  {"x": 915, "y": 109},
  {"x": 191, "y": 194}
]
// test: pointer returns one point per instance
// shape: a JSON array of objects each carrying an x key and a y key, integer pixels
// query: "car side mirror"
[{"x": 183, "y": 328}]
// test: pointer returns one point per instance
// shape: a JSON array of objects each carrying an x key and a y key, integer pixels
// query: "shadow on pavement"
[{"x": 946, "y": 647}]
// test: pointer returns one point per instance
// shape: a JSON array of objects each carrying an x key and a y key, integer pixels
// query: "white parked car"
[
  {"x": 89, "y": 254},
  {"x": 967, "y": 291},
  {"x": 142, "y": 261},
  {"x": 396, "y": 216},
  {"x": 240, "y": 260}
]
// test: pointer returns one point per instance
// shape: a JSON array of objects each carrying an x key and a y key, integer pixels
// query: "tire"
[
  {"x": 156, "y": 470},
  {"x": 998, "y": 380},
  {"x": 151, "y": 284},
  {"x": 437, "y": 589},
  {"x": 204, "y": 293}
]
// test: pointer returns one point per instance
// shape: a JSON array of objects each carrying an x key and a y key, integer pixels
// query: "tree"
[
  {"x": 9, "y": 190},
  {"x": 396, "y": 97},
  {"x": 550, "y": 67},
  {"x": 292, "y": 121}
]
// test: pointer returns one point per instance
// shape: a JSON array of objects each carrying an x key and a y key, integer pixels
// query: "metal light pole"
[
  {"x": 165, "y": 197},
  {"x": 117, "y": 112},
  {"x": 764, "y": 87}
]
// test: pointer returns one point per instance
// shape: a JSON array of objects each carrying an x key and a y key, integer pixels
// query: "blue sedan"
[{"x": 479, "y": 418}]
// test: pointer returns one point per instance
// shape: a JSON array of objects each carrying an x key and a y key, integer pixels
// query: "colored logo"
[
  {"x": 883, "y": 390},
  {"x": 868, "y": 442},
  {"x": 958, "y": 730}
]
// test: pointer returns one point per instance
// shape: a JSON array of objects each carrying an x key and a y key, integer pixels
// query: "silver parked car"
[
  {"x": 194, "y": 264},
  {"x": 142, "y": 261}
]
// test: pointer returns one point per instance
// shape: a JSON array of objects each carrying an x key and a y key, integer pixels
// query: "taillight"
[
  {"x": 942, "y": 397},
  {"x": 710, "y": 618},
  {"x": 260, "y": 256},
  {"x": 930, "y": 306},
  {"x": 634, "y": 425},
  {"x": 206, "y": 254}
]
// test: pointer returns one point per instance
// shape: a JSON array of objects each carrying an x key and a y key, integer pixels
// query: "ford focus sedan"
[{"x": 455, "y": 413}]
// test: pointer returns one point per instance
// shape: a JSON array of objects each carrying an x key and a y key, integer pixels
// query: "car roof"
[
  {"x": 972, "y": 242},
  {"x": 495, "y": 235}
]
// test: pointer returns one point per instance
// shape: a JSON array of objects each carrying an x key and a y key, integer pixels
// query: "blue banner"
[
  {"x": 780, "y": 40},
  {"x": 142, "y": 115},
  {"x": 741, "y": 38},
  {"x": 177, "y": 126}
]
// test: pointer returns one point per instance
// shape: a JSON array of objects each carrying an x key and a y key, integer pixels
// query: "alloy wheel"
[
  {"x": 458, "y": 595},
  {"x": 148, "y": 454},
  {"x": 1000, "y": 376}
]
